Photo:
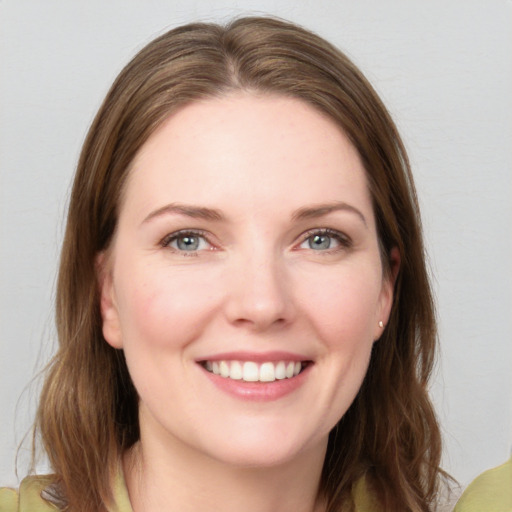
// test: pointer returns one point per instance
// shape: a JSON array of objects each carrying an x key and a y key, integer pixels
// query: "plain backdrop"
[{"x": 444, "y": 68}]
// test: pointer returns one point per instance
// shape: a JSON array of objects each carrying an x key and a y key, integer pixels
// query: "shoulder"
[
  {"x": 40, "y": 494},
  {"x": 28, "y": 498},
  {"x": 364, "y": 499},
  {"x": 491, "y": 491}
]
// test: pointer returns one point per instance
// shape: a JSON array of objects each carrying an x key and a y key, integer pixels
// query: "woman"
[{"x": 244, "y": 314}]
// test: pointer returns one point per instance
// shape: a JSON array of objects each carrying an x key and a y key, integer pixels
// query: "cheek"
[
  {"x": 344, "y": 305},
  {"x": 161, "y": 314},
  {"x": 163, "y": 308},
  {"x": 341, "y": 308}
]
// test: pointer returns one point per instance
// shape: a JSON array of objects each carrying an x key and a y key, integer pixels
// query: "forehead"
[{"x": 250, "y": 148}]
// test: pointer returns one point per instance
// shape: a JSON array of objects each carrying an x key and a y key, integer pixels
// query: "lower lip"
[{"x": 258, "y": 391}]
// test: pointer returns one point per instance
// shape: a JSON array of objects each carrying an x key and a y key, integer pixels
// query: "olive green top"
[
  {"x": 30, "y": 498},
  {"x": 490, "y": 492}
]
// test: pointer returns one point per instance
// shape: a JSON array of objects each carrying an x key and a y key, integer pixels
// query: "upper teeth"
[{"x": 253, "y": 372}]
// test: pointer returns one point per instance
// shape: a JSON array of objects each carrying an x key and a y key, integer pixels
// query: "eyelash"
[
  {"x": 168, "y": 239},
  {"x": 343, "y": 240}
]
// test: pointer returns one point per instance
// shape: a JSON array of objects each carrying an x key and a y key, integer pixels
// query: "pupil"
[
  {"x": 320, "y": 242},
  {"x": 188, "y": 243}
]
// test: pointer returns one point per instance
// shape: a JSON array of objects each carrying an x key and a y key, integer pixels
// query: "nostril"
[{"x": 259, "y": 322}]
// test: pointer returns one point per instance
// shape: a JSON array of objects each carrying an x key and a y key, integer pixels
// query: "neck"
[{"x": 178, "y": 478}]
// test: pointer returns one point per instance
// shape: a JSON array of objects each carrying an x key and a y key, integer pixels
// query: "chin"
[{"x": 265, "y": 449}]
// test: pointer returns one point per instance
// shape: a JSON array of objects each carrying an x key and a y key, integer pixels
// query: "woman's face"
[{"x": 244, "y": 282}]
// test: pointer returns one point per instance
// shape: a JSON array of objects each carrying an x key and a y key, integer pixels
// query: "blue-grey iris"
[
  {"x": 319, "y": 242},
  {"x": 188, "y": 243}
]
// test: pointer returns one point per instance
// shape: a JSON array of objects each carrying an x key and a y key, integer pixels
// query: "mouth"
[{"x": 251, "y": 371}]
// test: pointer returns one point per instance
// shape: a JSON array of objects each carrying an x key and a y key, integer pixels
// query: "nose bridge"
[{"x": 259, "y": 294}]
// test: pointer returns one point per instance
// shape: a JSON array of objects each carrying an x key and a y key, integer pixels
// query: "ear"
[
  {"x": 387, "y": 292},
  {"x": 111, "y": 325}
]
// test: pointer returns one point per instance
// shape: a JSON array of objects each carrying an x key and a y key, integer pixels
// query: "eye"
[
  {"x": 186, "y": 241},
  {"x": 324, "y": 240}
]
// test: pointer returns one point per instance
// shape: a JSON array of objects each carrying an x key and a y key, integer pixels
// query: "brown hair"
[{"x": 88, "y": 409}]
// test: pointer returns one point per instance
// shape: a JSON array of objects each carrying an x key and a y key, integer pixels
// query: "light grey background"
[{"x": 444, "y": 68}]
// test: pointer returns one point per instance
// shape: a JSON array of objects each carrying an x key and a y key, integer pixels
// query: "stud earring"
[{"x": 381, "y": 324}]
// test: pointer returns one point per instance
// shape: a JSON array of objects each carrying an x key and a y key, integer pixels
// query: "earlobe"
[{"x": 109, "y": 314}]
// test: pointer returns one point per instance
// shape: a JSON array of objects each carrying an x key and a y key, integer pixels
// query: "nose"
[{"x": 259, "y": 295}]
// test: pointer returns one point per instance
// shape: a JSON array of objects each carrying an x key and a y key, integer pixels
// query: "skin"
[{"x": 271, "y": 168}]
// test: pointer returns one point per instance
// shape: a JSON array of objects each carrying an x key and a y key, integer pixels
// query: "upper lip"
[{"x": 257, "y": 357}]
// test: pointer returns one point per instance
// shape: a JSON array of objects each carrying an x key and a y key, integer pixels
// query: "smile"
[{"x": 250, "y": 371}]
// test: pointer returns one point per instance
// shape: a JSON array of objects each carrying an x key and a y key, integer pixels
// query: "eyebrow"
[
  {"x": 211, "y": 214},
  {"x": 195, "y": 212},
  {"x": 320, "y": 210}
]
